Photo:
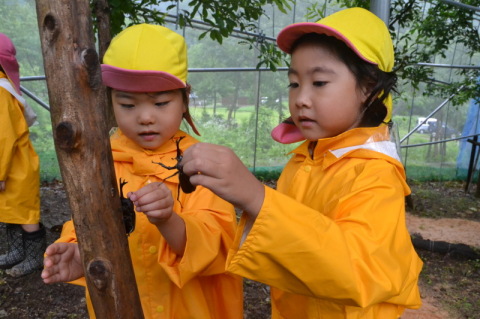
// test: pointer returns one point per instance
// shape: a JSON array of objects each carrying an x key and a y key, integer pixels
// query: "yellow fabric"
[
  {"x": 196, "y": 285},
  {"x": 332, "y": 240},
  {"x": 19, "y": 165},
  {"x": 149, "y": 47},
  {"x": 365, "y": 33}
]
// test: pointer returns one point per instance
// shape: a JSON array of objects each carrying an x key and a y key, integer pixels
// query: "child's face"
[
  {"x": 324, "y": 97},
  {"x": 148, "y": 119}
]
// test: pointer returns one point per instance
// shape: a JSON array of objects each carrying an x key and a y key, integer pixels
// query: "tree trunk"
[
  {"x": 234, "y": 105},
  {"x": 102, "y": 13},
  {"x": 78, "y": 100}
]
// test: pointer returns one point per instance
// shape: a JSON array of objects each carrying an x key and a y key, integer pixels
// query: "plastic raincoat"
[
  {"x": 332, "y": 240},
  {"x": 19, "y": 165},
  {"x": 195, "y": 285}
]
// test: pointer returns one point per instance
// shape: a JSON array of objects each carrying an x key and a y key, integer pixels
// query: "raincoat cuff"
[{"x": 246, "y": 234}]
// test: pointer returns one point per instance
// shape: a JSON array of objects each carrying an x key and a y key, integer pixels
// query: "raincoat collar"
[
  {"x": 364, "y": 138},
  {"x": 126, "y": 151},
  {"x": 7, "y": 85}
]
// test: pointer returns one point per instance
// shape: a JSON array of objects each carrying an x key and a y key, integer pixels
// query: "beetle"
[
  {"x": 128, "y": 210},
  {"x": 183, "y": 178}
]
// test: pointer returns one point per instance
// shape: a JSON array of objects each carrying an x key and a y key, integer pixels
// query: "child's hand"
[
  {"x": 219, "y": 169},
  {"x": 62, "y": 263},
  {"x": 2, "y": 186},
  {"x": 154, "y": 200}
]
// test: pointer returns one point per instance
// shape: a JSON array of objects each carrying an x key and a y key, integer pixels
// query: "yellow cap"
[
  {"x": 362, "y": 31},
  {"x": 146, "y": 58}
]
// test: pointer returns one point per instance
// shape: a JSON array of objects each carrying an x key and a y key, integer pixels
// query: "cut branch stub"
[
  {"x": 100, "y": 272},
  {"x": 67, "y": 136},
  {"x": 50, "y": 25}
]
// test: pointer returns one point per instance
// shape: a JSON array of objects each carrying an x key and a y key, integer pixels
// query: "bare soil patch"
[{"x": 449, "y": 284}]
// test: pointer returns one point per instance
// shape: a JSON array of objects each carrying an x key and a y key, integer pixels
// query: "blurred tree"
[
  {"x": 427, "y": 31},
  {"x": 219, "y": 18},
  {"x": 422, "y": 31},
  {"x": 18, "y": 20},
  {"x": 230, "y": 86},
  {"x": 20, "y": 31}
]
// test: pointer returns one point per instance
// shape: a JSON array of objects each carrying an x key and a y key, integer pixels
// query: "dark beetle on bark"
[{"x": 128, "y": 210}]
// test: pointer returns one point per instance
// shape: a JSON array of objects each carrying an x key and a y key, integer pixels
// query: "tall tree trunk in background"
[
  {"x": 78, "y": 100},
  {"x": 233, "y": 107},
  {"x": 102, "y": 13}
]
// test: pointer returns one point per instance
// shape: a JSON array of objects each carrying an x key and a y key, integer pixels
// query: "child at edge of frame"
[
  {"x": 180, "y": 241},
  {"x": 19, "y": 173},
  {"x": 331, "y": 240}
]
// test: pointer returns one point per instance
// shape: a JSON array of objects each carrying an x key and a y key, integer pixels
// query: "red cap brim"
[
  {"x": 139, "y": 80},
  {"x": 287, "y": 37}
]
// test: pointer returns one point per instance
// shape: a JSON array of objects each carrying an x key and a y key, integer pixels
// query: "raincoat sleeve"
[
  {"x": 68, "y": 234},
  {"x": 210, "y": 229},
  {"x": 9, "y": 135},
  {"x": 361, "y": 256}
]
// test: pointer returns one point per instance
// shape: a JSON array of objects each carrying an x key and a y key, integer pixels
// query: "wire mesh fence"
[{"x": 237, "y": 105}]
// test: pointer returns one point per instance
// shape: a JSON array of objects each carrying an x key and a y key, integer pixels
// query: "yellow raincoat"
[
  {"x": 332, "y": 241},
  {"x": 19, "y": 165},
  {"x": 195, "y": 285}
]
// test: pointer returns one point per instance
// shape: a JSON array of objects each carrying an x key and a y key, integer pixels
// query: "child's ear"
[{"x": 365, "y": 90}]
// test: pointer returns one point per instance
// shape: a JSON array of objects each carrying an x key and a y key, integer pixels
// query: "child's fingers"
[
  {"x": 154, "y": 206},
  {"x": 50, "y": 272},
  {"x": 205, "y": 159},
  {"x": 155, "y": 194},
  {"x": 47, "y": 272},
  {"x": 208, "y": 181},
  {"x": 148, "y": 189},
  {"x": 56, "y": 248},
  {"x": 48, "y": 261},
  {"x": 50, "y": 277}
]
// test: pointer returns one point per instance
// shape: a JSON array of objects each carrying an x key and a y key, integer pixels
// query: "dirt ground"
[{"x": 441, "y": 211}]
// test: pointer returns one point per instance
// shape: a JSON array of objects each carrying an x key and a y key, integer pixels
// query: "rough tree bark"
[{"x": 78, "y": 102}]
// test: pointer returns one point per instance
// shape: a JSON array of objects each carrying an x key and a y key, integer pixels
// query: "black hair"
[
  {"x": 185, "y": 94},
  {"x": 378, "y": 83}
]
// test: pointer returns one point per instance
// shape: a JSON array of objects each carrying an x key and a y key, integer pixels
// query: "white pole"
[{"x": 381, "y": 8}]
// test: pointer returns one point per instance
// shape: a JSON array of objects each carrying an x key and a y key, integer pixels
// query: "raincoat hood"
[
  {"x": 126, "y": 151},
  {"x": 9, "y": 62}
]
